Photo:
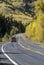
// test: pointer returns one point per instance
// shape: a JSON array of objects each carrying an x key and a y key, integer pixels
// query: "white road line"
[{"x": 12, "y": 61}]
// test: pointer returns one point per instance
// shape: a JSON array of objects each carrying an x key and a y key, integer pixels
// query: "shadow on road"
[{"x": 5, "y": 64}]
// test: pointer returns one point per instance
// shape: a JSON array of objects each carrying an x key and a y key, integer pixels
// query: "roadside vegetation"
[
  {"x": 22, "y": 16},
  {"x": 13, "y": 19},
  {"x": 35, "y": 30}
]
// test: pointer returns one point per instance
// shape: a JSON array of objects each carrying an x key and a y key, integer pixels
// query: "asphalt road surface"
[
  {"x": 3, "y": 59},
  {"x": 23, "y": 52}
]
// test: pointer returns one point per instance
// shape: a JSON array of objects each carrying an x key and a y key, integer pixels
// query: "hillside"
[
  {"x": 35, "y": 31},
  {"x": 19, "y": 16},
  {"x": 12, "y": 14}
]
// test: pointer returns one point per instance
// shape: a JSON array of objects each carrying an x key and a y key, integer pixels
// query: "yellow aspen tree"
[{"x": 35, "y": 30}]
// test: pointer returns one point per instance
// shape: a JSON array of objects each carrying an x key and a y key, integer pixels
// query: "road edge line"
[{"x": 13, "y": 62}]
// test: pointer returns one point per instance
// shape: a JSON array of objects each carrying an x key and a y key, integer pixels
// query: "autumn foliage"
[{"x": 35, "y": 31}]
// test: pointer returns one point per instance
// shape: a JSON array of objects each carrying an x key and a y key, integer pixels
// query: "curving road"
[{"x": 23, "y": 52}]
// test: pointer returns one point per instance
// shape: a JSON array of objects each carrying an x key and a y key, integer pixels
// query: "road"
[
  {"x": 23, "y": 52},
  {"x": 3, "y": 59}
]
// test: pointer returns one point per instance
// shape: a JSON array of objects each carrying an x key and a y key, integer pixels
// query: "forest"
[{"x": 22, "y": 17}]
